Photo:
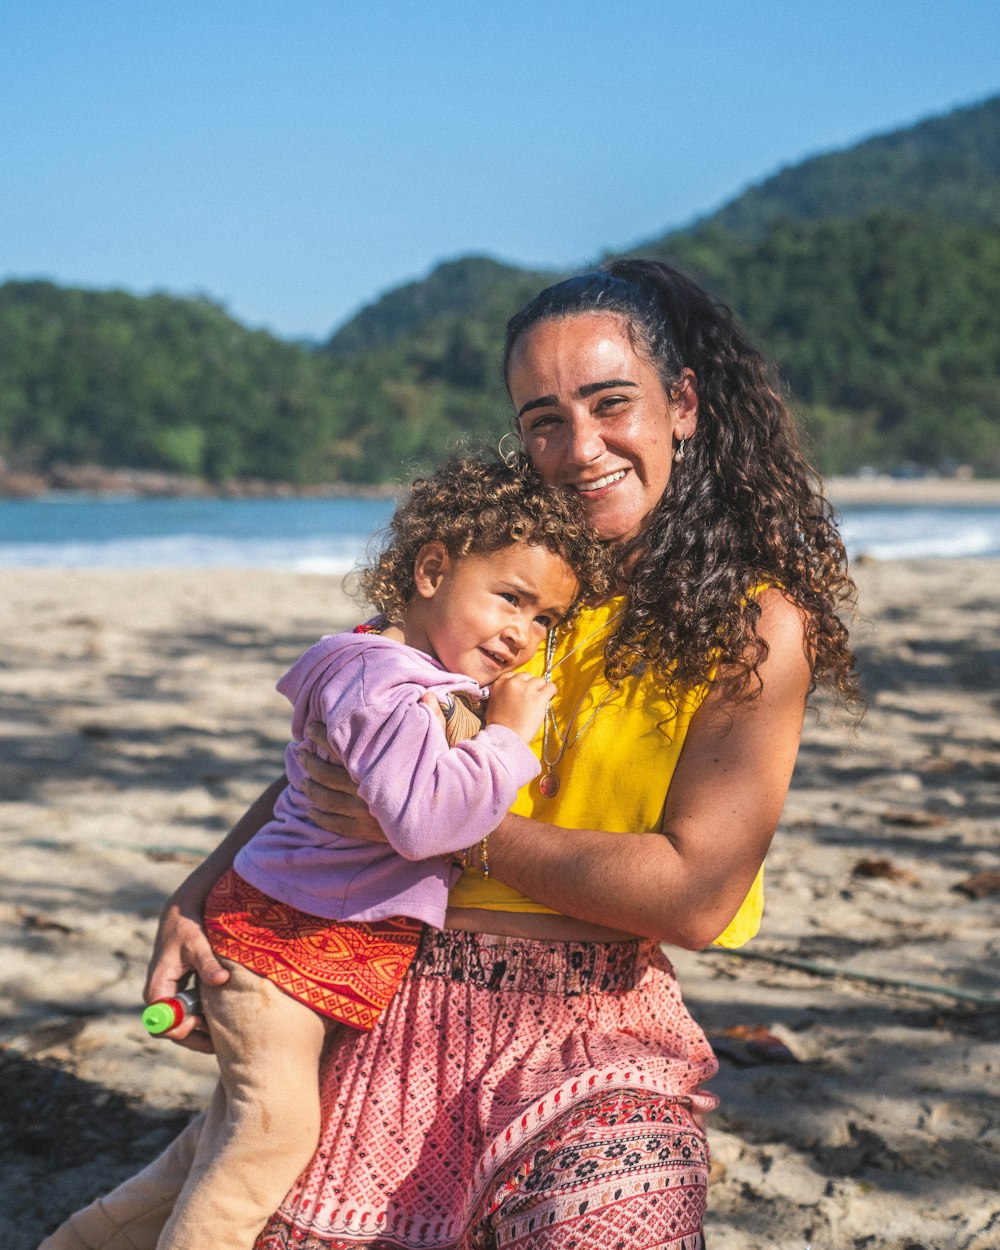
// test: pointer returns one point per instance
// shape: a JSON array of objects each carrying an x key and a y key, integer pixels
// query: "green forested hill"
[
  {"x": 884, "y": 327},
  {"x": 420, "y": 368},
  {"x": 475, "y": 286},
  {"x": 871, "y": 276},
  {"x": 947, "y": 167},
  {"x": 157, "y": 382}
]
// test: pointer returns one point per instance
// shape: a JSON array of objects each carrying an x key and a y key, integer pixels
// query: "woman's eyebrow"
[
  {"x": 591, "y": 388},
  {"x": 545, "y": 401}
]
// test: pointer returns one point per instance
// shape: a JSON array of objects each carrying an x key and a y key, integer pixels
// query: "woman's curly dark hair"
[
  {"x": 743, "y": 508},
  {"x": 474, "y": 506}
]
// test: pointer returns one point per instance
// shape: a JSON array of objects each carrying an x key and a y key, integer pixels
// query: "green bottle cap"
[{"x": 159, "y": 1017}]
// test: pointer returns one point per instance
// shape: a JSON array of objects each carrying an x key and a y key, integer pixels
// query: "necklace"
[{"x": 549, "y": 782}]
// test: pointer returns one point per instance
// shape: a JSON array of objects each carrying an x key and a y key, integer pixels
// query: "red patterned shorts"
[
  {"x": 514, "y": 1094},
  {"x": 348, "y": 971}
]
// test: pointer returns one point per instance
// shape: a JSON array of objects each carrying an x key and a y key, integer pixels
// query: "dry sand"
[
  {"x": 138, "y": 719},
  {"x": 915, "y": 492}
]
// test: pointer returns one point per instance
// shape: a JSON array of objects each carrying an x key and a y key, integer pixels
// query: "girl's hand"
[
  {"x": 334, "y": 795},
  {"x": 518, "y": 700}
]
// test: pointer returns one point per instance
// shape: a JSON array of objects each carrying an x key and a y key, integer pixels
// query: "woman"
[{"x": 538, "y": 1081}]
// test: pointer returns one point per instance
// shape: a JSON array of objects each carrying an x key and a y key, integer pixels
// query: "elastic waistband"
[{"x": 496, "y": 963}]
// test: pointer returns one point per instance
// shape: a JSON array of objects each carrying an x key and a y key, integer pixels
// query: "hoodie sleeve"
[{"x": 429, "y": 798}]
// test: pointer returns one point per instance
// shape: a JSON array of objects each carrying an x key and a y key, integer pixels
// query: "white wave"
[
  {"x": 921, "y": 533},
  {"x": 953, "y": 546},
  {"x": 310, "y": 537},
  {"x": 320, "y": 554}
]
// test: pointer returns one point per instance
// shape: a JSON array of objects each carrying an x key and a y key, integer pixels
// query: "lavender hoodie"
[{"x": 429, "y": 798}]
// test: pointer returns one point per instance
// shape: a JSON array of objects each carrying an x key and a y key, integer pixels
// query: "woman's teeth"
[{"x": 601, "y": 482}]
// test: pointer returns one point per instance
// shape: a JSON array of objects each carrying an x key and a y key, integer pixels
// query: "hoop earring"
[
  {"x": 511, "y": 456},
  {"x": 679, "y": 453}
]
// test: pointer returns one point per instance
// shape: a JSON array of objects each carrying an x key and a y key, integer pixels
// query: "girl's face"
[
  {"x": 595, "y": 418},
  {"x": 483, "y": 614}
]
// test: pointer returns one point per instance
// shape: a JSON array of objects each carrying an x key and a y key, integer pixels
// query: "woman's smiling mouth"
[{"x": 609, "y": 479}]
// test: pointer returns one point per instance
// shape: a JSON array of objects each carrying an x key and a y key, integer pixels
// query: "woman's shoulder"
[
  {"x": 784, "y": 665},
  {"x": 782, "y": 623}
]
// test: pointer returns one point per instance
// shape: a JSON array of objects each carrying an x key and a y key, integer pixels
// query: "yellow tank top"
[{"x": 625, "y": 744}]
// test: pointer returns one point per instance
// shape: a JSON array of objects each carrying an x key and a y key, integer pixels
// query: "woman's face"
[{"x": 595, "y": 418}]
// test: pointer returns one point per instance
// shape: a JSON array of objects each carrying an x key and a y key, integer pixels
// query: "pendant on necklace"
[{"x": 549, "y": 785}]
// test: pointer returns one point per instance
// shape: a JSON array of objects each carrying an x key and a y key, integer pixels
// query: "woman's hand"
[
  {"x": 334, "y": 795},
  {"x": 181, "y": 948}
]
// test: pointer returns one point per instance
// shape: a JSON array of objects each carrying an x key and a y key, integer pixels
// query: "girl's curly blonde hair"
[{"x": 473, "y": 506}]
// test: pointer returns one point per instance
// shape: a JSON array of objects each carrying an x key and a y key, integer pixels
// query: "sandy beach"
[
  {"x": 916, "y": 492},
  {"x": 139, "y": 718}
]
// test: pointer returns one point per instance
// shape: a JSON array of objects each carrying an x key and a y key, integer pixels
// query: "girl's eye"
[
  {"x": 546, "y": 622},
  {"x": 542, "y": 421},
  {"x": 509, "y": 596}
]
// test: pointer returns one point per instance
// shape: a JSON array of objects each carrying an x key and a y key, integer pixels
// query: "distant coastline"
[{"x": 152, "y": 484}]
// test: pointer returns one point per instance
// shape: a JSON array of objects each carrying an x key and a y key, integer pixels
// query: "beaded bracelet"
[{"x": 465, "y": 859}]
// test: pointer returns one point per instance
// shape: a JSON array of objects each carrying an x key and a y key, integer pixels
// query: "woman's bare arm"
[
  {"x": 683, "y": 885},
  {"x": 181, "y": 946}
]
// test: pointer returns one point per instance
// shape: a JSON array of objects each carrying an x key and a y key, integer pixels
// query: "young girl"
[{"x": 316, "y": 929}]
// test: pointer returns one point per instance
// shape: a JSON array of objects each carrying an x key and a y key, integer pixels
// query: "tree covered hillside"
[
  {"x": 947, "y": 167},
  {"x": 474, "y": 286},
  {"x": 885, "y": 328},
  {"x": 871, "y": 277},
  {"x": 157, "y": 382}
]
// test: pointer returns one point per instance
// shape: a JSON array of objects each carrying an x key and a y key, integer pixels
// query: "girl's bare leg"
[{"x": 263, "y": 1126}]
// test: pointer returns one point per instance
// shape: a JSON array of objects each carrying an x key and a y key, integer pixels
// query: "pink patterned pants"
[{"x": 514, "y": 1095}]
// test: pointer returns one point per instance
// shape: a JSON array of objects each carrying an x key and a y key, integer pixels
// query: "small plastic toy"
[{"x": 167, "y": 1013}]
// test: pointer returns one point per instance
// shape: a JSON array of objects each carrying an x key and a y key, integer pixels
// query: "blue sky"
[{"x": 294, "y": 158}]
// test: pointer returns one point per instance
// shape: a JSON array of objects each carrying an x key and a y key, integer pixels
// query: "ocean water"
[
  {"x": 298, "y": 535},
  {"x": 331, "y": 535},
  {"x": 892, "y": 532}
]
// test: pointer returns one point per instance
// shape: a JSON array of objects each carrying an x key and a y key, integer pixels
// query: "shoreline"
[
  {"x": 94, "y": 482},
  {"x": 855, "y": 492}
]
